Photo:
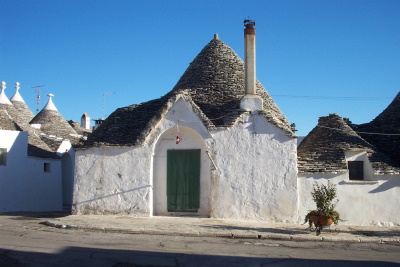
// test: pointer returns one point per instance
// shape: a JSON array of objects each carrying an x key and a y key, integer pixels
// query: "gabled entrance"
[{"x": 183, "y": 180}]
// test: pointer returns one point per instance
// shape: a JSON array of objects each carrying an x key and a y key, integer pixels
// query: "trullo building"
[{"x": 216, "y": 145}]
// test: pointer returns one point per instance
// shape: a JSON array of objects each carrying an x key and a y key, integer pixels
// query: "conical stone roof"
[
  {"x": 24, "y": 112},
  {"x": 323, "y": 150},
  {"x": 214, "y": 82},
  {"x": 36, "y": 147},
  {"x": 52, "y": 123},
  {"x": 384, "y": 131},
  {"x": 7, "y": 123}
]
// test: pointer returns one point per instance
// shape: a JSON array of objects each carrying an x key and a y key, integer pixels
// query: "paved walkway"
[{"x": 207, "y": 227}]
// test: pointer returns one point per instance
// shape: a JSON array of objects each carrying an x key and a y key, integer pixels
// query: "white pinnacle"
[
  {"x": 50, "y": 105},
  {"x": 3, "y": 97},
  {"x": 17, "y": 96}
]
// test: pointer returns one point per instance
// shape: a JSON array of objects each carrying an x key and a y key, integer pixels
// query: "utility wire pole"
[{"x": 38, "y": 93}]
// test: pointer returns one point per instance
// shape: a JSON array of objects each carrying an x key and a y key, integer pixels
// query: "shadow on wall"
[
  {"x": 389, "y": 184},
  {"x": 112, "y": 195}
]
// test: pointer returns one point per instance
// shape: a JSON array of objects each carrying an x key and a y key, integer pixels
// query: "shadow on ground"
[
  {"x": 79, "y": 256},
  {"x": 25, "y": 215}
]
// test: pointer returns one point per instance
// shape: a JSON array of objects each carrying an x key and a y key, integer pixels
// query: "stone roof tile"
[
  {"x": 52, "y": 123},
  {"x": 36, "y": 147},
  {"x": 214, "y": 81},
  {"x": 323, "y": 150},
  {"x": 7, "y": 123},
  {"x": 384, "y": 131}
]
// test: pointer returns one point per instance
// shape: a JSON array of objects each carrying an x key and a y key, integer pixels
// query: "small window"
[
  {"x": 356, "y": 170},
  {"x": 3, "y": 156},
  {"x": 47, "y": 167}
]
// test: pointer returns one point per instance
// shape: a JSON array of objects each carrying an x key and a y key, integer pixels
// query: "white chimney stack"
[
  {"x": 85, "y": 121},
  {"x": 251, "y": 101}
]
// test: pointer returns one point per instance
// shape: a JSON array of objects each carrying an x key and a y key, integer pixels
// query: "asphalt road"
[{"x": 24, "y": 241}]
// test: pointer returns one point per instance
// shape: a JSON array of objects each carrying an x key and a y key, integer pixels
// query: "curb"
[{"x": 284, "y": 237}]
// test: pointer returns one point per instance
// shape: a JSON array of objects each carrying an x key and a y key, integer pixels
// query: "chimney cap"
[{"x": 249, "y": 24}]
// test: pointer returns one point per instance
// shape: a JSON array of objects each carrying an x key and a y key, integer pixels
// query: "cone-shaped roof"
[
  {"x": 214, "y": 83},
  {"x": 7, "y": 123},
  {"x": 3, "y": 98},
  {"x": 52, "y": 123},
  {"x": 384, "y": 131},
  {"x": 323, "y": 150},
  {"x": 36, "y": 146},
  {"x": 24, "y": 112}
]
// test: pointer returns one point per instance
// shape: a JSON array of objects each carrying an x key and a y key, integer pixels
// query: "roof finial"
[
  {"x": 17, "y": 96},
  {"x": 3, "y": 97},
  {"x": 50, "y": 105},
  {"x": 216, "y": 36}
]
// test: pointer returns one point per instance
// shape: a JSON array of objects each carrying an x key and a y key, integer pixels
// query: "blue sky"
[{"x": 314, "y": 57}]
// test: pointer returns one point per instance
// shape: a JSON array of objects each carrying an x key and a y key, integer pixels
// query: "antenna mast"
[
  {"x": 38, "y": 93},
  {"x": 104, "y": 102}
]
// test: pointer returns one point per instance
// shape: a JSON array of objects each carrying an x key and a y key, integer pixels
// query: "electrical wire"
[{"x": 334, "y": 97}]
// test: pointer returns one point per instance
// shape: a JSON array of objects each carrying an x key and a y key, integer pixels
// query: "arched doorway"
[{"x": 181, "y": 174}]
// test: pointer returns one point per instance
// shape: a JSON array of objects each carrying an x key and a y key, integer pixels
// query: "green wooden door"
[{"x": 183, "y": 180}]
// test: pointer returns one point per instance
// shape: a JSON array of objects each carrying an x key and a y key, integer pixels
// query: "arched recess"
[{"x": 190, "y": 140}]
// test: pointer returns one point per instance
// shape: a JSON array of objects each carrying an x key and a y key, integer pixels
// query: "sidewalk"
[{"x": 207, "y": 227}]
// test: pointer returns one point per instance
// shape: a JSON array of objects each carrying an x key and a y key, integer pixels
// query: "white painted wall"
[
  {"x": 373, "y": 201},
  {"x": 43, "y": 190},
  {"x": 120, "y": 180},
  {"x": 14, "y": 175},
  {"x": 23, "y": 184},
  {"x": 256, "y": 175},
  {"x": 112, "y": 181},
  {"x": 257, "y": 172}
]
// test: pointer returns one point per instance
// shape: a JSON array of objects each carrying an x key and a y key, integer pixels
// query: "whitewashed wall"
[
  {"x": 43, "y": 190},
  {"x": 370, "y": 202},
  {"x": 257, "y": 173},
  {"x": 14, "y": 175},
  {"x": 113, "y": 181},
  {"x": 255, "y": 178},
  {"x": 121, "y": 180},
  {"x": 23, "y": 184}
]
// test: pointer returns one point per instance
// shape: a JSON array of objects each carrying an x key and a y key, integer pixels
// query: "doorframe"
[{"x": 191, "y": 140}]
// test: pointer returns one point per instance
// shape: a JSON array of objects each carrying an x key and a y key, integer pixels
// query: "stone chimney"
[
  {"x": 85, "y": 121},
  {"x": 251, "y": 101}
]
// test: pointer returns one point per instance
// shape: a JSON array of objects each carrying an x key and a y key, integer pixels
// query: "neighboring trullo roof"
[
  {"x": 214, "y": 83},
  {"x": 7, "y": 123},
  {"x": 24, "y": 112},
  {"x": 323, "y": 150},
  {"x": 36, "y": 147},
  {"x": 52, "y": 123},
  {"x": 384, "y": 130}
]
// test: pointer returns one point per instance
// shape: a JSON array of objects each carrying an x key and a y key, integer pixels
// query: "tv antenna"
[
  {"x": 104, "y": 102},
  {"x": 38, "y": 93}
]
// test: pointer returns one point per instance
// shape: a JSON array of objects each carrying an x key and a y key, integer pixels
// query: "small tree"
[{"x": 324, "y": 196}]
